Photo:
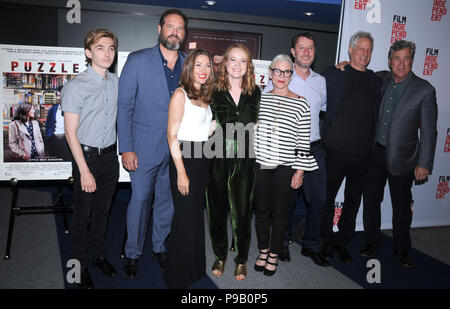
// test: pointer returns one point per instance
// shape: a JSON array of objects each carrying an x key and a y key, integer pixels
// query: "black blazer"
[
  {"x": 416, "y": 111},
  {"x": 336, "y": 80}
]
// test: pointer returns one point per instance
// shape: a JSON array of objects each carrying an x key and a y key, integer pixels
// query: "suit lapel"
[{"x": 159, "y": 77}]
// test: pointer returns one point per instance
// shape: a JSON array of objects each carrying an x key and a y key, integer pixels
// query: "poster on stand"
[{"x": 34, "y": 146}]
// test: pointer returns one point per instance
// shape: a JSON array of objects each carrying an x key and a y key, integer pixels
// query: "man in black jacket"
[{"x": 353, "y": 100}]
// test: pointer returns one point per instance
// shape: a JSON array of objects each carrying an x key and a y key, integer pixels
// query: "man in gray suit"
[{"x": 400, "y": 154}]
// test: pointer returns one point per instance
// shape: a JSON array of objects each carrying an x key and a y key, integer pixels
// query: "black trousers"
[
  {"x": 272, "y": 199},
  {"x": 401, "y": 197},
  {"x": 354, "y": 169},
  {"x": 186, "y": 244},
  {"x": 91, "y": 210}
]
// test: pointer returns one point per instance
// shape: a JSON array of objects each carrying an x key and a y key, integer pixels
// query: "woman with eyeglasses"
[{"x": 282, "y": 155}]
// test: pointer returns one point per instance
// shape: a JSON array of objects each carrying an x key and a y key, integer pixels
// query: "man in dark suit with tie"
[
  {"x": 148, "y": 80},
  {"x": 404, "y": 149}
]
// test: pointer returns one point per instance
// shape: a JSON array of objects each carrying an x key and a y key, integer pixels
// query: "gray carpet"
[
  {"x": 35, "y": 259},
  {"x": 300, "y": 273}
]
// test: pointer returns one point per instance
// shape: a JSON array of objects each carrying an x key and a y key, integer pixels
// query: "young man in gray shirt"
[{"x": 89, "y": 103}]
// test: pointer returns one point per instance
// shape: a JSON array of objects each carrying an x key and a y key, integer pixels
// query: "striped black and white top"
[{"x": 282, "y": 133}]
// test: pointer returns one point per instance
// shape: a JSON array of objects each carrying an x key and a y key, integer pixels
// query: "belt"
[
  {"x": 316, "y": 143},
  {"x": 99, "y": 151}
]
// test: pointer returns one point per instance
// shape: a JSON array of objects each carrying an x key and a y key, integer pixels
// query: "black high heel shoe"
[
  {"x": 268, "y": 272},
  {"x": 260, "y": 268}
]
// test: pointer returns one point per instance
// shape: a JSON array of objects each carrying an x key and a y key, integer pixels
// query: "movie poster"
[
  {"x": 34, "y": 145},
  {"x": 217, "y": 41}
]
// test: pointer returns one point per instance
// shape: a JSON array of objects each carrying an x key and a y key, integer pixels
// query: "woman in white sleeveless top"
[{"x": 188, "y": 129}]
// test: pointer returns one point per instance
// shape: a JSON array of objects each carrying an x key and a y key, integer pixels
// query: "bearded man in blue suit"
[{"x": 148, "y": 80}]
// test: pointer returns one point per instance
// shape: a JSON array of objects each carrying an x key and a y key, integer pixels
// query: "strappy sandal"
[
  {"x": 268, "y": 272},
  {"x": 241, "y": 269},
  {"x": 219, "y": 266},
  {"x": 260, "y": 268}
]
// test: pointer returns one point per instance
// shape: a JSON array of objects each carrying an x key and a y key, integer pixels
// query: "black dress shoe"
[
  {"x": 105, "y": 267},
  {"x": 404, "y": 258},
  {"x": 368, "y": 250},
  {"x": 86, "y": 280},
  {"x": 344, "y": 255},
  {"x": 161, "y": 258},
  {"x": 285, "y": 255},
  {"x": 317, "y": 257},
  {"x": 131, "y": 267},
  {"x": 327, "y": 251}
]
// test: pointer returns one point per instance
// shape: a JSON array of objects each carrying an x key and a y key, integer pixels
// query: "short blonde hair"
[{"x": 283, "y": 58}]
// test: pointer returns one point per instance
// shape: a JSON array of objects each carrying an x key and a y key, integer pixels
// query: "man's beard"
[
  {"x": 304, "y": 65},
  {"x": 171, "y": 46}
]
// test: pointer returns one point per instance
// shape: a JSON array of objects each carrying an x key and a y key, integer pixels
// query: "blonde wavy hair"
[{"x": 248, "y": 80}]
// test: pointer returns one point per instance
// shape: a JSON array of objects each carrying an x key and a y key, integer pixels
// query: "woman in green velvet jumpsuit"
[{"x": 232, "y": 174}]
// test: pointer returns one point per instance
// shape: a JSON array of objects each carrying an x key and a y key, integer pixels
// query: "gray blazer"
[{"x": 416, "y": 112}]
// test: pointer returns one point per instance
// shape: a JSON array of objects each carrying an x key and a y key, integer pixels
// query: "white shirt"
[
  {"x": 59, "y": 125},
  {"x": 196, "y": 122}
]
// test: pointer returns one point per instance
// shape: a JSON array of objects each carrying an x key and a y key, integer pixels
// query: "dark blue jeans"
[{"x": 315, "y": 190}]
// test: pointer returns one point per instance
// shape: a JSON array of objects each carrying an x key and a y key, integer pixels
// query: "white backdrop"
[{"x": 426, "y": 23}]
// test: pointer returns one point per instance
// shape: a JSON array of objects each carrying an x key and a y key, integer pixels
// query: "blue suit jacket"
[{"x": 143, "y": 106}]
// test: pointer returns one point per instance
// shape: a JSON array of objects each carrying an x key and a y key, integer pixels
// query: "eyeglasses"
[{"x": 278, "y": 72}]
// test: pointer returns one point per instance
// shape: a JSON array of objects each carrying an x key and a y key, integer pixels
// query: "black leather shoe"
[
  {"x": 317, "y": 257},
  {"x": 285, "y": 255},
  {"x": 344, "y": 255},
  {"x": 105, "y": 267},
  {"x": 327, "y": 251},
  {"x": 161, "y": 258},
  {"x": 86, "y": 280},
  {"x": 404, "y": 258},
  {"x": 131, "y": 267},
  {"x": 368, "y": 250}
]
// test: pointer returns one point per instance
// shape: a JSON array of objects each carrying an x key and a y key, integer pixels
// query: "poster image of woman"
[{"x": 25, "y": 138}]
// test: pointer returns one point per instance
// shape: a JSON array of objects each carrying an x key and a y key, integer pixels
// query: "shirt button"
[{"x": 171, "y": 76}]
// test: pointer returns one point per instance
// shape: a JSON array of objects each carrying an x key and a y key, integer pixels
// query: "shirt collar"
[
  {"x": 294, "y": 74},
  {"x": 403, "y": 82},
  {"x": 164, "y": 60},
  {"x": 97, "y": 77}
]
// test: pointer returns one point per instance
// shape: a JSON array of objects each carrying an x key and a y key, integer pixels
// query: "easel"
[{"x": 57, "y": 207}]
